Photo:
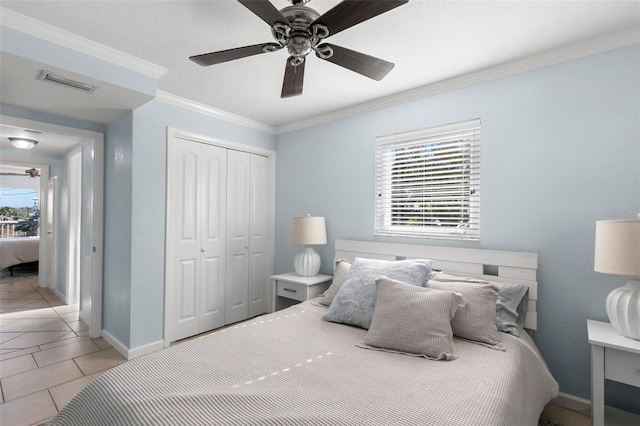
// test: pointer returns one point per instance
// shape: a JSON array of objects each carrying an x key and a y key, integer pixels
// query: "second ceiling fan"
[{"x": 302, "y": 30}]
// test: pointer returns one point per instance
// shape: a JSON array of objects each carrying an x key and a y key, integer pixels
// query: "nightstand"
[
  {"x": 291, "y": 288},
  {"x": 613, "y": 357}
]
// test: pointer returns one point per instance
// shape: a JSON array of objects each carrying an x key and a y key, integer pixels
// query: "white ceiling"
[{"x": 431, "y": 42}]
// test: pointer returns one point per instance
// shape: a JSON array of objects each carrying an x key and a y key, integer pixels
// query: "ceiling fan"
[
  {"x": 302, "y": 30},
  {"x": 32, "y": 172}
]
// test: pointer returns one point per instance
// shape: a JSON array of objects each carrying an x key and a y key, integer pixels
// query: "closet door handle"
[{"x": 203, "y": 249}]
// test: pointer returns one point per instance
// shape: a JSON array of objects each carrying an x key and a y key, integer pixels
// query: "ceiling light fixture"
[{"x": 23, "y": 143}]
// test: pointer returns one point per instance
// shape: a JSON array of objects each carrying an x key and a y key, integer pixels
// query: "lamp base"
[
  {"x": 623, "y": 309},
  {"x": 307, "y": 263}
]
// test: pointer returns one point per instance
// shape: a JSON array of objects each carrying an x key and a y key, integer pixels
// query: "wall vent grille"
[{"x": 50, "y": 77}]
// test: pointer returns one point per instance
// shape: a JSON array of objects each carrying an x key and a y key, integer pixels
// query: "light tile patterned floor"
[{"x": 46, "y": 355}]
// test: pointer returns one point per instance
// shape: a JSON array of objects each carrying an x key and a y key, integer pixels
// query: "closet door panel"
[
  {"x": 238, "y": 199},
  {"x": 213, "y": 251},
  {"x": 188, "y": 309},
  {"x": 259, "y": 232},
  {"x": 189, "y": 216},
  {"x": 183, "y": 236}
]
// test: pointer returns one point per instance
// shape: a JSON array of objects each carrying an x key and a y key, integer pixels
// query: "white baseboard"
[
  {"x": 58, "y": 294},
  {"x": 146, "y": 349},
  {"x": 135, "y": 352},
  {"x": 572, "y": 402},
  {"x": 117, "y": 344},
  {"x": 613, "y": 416}
]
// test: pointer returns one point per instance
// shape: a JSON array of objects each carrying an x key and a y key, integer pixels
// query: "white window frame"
[{"x": 438, "y": 142}]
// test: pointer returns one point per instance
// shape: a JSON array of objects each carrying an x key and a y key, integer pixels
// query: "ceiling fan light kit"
[
  {"x": 23, "y": 143},
  {"x": 302, "y": 30}
]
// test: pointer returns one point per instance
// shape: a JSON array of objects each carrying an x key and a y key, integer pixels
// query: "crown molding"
[
  {"x": 566, "y": 53},
  {"x": 48, "y": 32},
  {"x": 212, "y": 112}
]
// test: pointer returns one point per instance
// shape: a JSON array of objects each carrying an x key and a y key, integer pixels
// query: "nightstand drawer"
[
  {"x": 623, "y": 367},
  {"x": 292, "y": 291}
]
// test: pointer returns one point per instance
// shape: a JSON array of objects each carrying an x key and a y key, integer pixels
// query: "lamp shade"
[
  {"x": 618, "y": 247},
  {"x": 308, "y": 230}
]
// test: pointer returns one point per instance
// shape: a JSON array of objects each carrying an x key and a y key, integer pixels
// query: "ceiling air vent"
[{"x": 56, "y": 79}]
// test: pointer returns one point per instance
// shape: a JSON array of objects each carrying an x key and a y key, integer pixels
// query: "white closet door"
[
  {"x": 238, "y": 213},
  {"x": 259, "y": 234},
  {"x": 213, "y": 229},
  {"x": 183, "y": 238}
]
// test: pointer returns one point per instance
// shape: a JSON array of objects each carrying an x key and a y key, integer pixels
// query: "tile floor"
[{"x": 46, "y": 355}]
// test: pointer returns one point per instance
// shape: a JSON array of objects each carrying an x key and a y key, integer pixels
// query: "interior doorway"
[{"x": 87, "y": 266}]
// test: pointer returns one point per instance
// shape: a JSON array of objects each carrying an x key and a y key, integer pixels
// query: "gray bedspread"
[{"x": 291, "y": 368}]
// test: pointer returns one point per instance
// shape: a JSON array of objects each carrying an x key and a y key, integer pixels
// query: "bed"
[
  {"x": 18, "y": 250},
  {"x": 291, "y": 367}
]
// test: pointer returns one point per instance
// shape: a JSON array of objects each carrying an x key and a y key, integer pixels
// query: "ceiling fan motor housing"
[{"x": 299, "y": 36}]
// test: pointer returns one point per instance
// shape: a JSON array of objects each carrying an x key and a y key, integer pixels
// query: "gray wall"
[
  {"x": 560, "y": 150},
  {"x": 116, "y": 285}
]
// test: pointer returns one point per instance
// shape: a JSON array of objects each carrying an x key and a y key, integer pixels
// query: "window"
[{"x": 428, "y": 183}]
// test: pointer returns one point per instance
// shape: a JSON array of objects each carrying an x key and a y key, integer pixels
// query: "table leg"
[{"x": 597, "y": 385}]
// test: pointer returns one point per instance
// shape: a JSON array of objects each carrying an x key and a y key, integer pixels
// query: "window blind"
[{"x": 428, "y": 183}]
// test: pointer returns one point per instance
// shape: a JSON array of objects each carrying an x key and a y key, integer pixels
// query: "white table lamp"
[
  {"x": 618, "y": 253},
  {"x": 308, "y": 230}
]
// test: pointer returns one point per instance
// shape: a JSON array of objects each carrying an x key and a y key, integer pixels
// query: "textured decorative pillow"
[
  {"x": 356, "y": 299},
  {"x": 511, "y": 305},
  {"x": 477, "y": 320},
  {"x": 412, "y": 320},
  {"x": 340, "y": 270}
]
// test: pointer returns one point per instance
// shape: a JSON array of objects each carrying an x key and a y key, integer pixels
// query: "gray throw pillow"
[
  {"x": 511, "y": 305},
  {"x": 412, "y": 320},
  {"x": 476, "y": 321},
  {"x": 340, "y": 271},
  {"x": 355, "y": 301}
]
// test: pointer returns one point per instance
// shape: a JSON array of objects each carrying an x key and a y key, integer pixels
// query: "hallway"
[{"x": 46, "y": 355}]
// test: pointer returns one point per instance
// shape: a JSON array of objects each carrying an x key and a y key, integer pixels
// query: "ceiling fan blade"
[
  {"x": 293, "y": 80},
  {"x": 231, "y": 54},
  {"x": 369, "y": 66},
  {"x": 352, "y": 12},
  {"x": 265, "y": 11}
]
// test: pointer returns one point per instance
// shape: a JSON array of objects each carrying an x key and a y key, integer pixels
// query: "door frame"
[
  {"x": 75, "y": 231},
  {"x": 47, "y": 210},
  {"x": 96, "y": 140},
  {"x": 172, "y": 135}
]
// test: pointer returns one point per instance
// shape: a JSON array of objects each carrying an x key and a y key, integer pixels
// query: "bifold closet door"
[
  {"x": 238, "y": 214},
  {"x": 196, "y": 249},
  {"x": 259, "y": 235},
  {"x": 247, "y": 235}
]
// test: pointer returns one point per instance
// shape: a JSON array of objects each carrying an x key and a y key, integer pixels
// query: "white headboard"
[{"x": 492, "y": 265}]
